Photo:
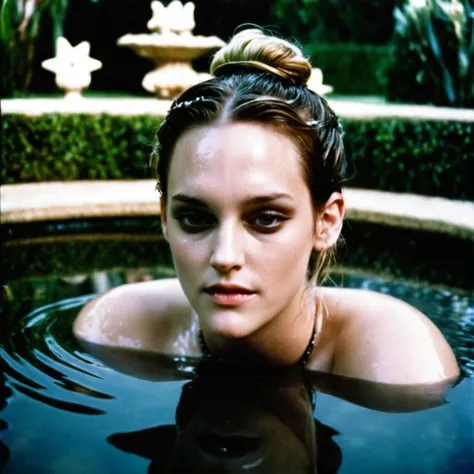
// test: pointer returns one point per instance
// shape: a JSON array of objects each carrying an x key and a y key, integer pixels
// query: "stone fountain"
[{"x": 171, "y": 46}]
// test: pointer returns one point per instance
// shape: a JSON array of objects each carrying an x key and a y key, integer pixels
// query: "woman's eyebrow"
[
  {"x": 188, "y": 200},
  {"x": 248, "y": 201},
  {"x": 265, "y": 198}
]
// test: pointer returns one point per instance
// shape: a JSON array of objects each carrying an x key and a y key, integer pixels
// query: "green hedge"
[
  {"x": 425, "y": 157},
  {"x": 73, "y": 147},
  {"x": 433, "y": 158},
  {"x": 352, "y": 69}
]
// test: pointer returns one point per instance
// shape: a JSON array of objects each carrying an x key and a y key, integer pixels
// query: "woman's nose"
[{"x": 228, "y": 252}]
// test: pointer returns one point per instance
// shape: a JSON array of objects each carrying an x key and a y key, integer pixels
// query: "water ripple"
[{"x": 41, "y": 355}]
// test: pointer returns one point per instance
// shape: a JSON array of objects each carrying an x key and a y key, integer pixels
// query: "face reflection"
[
  {"x": 256, "y": 428},
  {"x": 239, "y": 212}
]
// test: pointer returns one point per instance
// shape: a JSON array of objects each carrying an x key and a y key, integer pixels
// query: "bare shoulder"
[
  {"x": 384, "y": 339},
  {"x": 143, "y": 315}
]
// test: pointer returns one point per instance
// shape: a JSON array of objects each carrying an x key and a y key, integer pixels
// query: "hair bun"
[{"x": 252, "y": 49}]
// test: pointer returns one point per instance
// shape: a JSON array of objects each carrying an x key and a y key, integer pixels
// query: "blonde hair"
[
  {"x": 262, "y": 78},
  {"x": 254, "y": 48}
]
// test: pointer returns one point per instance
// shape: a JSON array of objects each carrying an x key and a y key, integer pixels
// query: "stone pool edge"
[{"x": 34, "y": 202}]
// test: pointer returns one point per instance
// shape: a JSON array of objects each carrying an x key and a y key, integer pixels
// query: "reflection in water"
[
  {"x": 235, "y": 423},
  {"x": 63, "y": 411}
]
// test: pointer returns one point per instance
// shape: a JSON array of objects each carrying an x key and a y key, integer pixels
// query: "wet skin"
[
  {"x": 242, "y": 215},
  {"x": 238, "y": 212}
]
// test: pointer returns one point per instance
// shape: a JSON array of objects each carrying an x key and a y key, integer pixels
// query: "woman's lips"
[
  {"x": 228, "y": 295},
  {"x": 229, "y": 299}
]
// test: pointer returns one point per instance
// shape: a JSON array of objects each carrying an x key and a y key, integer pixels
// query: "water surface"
[{"x": 65, "y": 412}]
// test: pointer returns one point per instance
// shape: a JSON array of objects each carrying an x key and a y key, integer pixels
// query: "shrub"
[
  {"x": 352, "y": 68},
  {"x": 433, "y": 53},
  {"x": 426, "y": 157},
  {"x": 433, "y": 158},
  {"x": 358, "y": 21},
  {"x": 73, "y": 147}
]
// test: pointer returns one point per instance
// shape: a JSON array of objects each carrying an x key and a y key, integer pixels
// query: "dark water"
[{"x": 65, "y": 412}]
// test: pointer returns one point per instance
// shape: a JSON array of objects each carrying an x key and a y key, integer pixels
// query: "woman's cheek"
[
  {"x": 289, "y": 256},
  {"x": 187, "y": 255}
]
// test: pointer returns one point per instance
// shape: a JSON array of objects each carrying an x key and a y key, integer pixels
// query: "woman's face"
[{"x": 238, "y": 213}]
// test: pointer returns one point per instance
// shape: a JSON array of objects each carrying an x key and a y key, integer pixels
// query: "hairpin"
[
  {"x": 187, "y": 103},
  {"x": 339, "y": 128}
]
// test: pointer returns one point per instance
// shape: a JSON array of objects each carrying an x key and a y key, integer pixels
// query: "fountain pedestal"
[{"x": 172, "y": 55}]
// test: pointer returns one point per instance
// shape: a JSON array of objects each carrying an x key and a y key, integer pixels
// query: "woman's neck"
[{"x": 283, "y": 341}]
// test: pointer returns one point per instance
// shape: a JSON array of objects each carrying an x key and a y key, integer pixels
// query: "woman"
[{"x": 250, "y": 171}]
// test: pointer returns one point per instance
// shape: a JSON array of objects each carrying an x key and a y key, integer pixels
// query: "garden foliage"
[
  {"x": 312, "y": 23},
  {"x": 424, "y": 157},
  {"x": 351, "y": 21},
  {"x": 433, "y": 53},
  {"x": 350, "y": 68},
  {"x": 20, "y": 26},
  {"x": 74, "y": 147},
  {"x": 433, "y": 158}
]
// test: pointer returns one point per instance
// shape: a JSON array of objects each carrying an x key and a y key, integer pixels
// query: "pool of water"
[{"x": 63, "y": 411}]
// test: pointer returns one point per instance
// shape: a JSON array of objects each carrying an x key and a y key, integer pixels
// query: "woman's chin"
[{"x": 228, "y": 324}]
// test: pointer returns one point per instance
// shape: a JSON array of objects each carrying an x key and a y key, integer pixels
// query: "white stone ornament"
[
  {"x": 173, "y": 19},
  {"x": 172, "y": 46},
  {"x": 315, "y": 83},
  {"x": 73, "y": 67}
]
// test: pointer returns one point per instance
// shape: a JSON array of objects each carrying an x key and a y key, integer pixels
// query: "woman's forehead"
[{"x": 233, "y": 153}]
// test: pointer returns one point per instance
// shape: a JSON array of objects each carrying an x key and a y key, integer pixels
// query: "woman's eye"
[
  {"x": 269, "y": 220},
  {"x": 193, "y": 220}
]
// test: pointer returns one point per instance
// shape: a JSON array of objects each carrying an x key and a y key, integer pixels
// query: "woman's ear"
[
  {"x": 164, "y": 221},
  {"x": 329, "y": 223}
]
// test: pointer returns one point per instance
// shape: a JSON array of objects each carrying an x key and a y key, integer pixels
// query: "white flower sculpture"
[{"x": 73, "y": 66}]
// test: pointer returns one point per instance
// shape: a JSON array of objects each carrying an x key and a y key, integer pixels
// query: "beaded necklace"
[{"x": 303, "y": 360}]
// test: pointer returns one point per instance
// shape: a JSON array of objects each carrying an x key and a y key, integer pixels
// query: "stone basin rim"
[{"x": 36, "y": 202}]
